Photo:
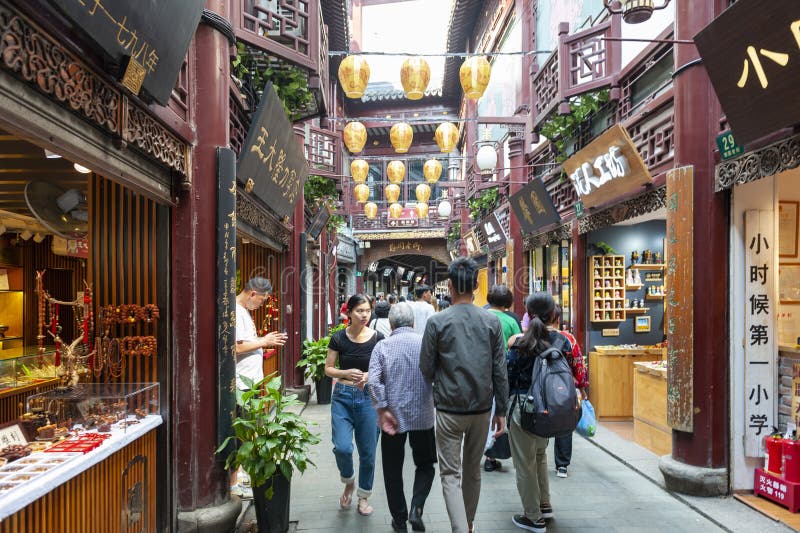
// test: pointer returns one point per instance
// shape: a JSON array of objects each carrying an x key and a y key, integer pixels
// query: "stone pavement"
[{"x": 600, "y": 494}]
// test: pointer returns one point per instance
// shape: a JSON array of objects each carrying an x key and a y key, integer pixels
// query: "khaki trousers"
[
  {"x": 529, "y": 453},
  {"x": 461, "y": 482}
]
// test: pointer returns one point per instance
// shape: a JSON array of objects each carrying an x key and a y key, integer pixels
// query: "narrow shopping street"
[{"x": 600, "y": 494}]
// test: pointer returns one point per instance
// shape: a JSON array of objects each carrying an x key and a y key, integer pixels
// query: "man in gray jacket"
[{"x": 464, "y": 356}]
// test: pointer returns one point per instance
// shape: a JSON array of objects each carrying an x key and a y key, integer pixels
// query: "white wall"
[
  {"x": 661, "y": 20},
  {"x": 757, "y": 195}
]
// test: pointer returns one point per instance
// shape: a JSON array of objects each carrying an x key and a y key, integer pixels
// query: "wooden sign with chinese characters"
[
  {"x": 679, "y": 299},
  {"x": 759, "y": 329},
  {"x": 273, "y": 157},
  {"x": 533, "y": 207},
  {"x": 408, "y": 219},
  {"x": 752, "y": 55},
  {"x": 149, "y": 40},
  {"x": 609, "y": 168},
  {"x": 404, "y": 246},
  {"x": 472, "y": 244},
  {"x": 495, "y": 234}
]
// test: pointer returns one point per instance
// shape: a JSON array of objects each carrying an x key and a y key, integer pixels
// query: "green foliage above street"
[
  {"x": 483, "y": 204},
  {"x": 559, "y": 129}
]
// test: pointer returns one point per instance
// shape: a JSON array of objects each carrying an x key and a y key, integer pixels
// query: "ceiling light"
[
  {"x": 82, "y": 169},
  {"x": 26, "y": 234},
  {"x": 38, "y": 237},
  {"x": 51, "y": 155}
]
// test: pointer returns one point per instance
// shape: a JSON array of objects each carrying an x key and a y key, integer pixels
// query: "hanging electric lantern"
[
  {"x": 432, "y": 169},
  {"x": 354, "y": 136},
  {"x": 391, "y": 192},
  {"x": 486, "y": 159},
  {"x": 422, "y": 210},
  {"x": 370, "y": 210},
  {"x": 396, "y": 171},
  {"x": 401, "y": 136},
  {"x": 359, "y": 170},
  {"x": 445, "y": 208},
  {"x": 474, "y": 74},
  {"x": 423, "y": 192},
  {"x": 354, "y": 76},
  {"x": 446, "y": 136},
  {"x": 395, "y": 210},
  {"x": 361, "y": 192},
  {"x": 415, "y": 75}
]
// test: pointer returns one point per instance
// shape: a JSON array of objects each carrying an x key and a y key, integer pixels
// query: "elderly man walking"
[
  {"x": 463, "y": 354},
  {"x": 404, "y": 400}
]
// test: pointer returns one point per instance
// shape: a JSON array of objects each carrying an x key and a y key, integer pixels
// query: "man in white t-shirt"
[
  {"x": 422, "y": 308},
  {"x": 249, "y": 346}
]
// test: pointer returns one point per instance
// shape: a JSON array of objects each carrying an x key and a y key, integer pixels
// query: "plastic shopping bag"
[{"x": 587, "y": 426}]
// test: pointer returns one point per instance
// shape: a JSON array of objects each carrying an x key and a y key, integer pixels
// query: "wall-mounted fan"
[{"x": 62, "y": 212}]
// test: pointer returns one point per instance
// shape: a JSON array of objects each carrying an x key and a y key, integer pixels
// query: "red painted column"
[
  {"x": 200, "y": 480},
  {"x": 516, "y": 154},
  {"x": 696, "y": 125},
  {"x": 290, "y": 285}
]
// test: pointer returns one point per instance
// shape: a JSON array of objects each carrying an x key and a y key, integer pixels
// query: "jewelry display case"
[
  {"x": 102, "y": 407},
  {"x": 26, "y": 370}
]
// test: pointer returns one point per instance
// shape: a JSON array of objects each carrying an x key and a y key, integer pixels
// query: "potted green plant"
[
  {"x": 313, "y": 364},
  {"x": 273, "y": 441}
]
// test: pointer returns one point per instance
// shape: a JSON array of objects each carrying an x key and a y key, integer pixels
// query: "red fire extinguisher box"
[{"x": 777, "y": 489}]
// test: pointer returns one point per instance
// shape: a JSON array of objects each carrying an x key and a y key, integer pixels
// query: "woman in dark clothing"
[
  {"x": 529, "y": 451},
  {"x": 351, "y": 408}
]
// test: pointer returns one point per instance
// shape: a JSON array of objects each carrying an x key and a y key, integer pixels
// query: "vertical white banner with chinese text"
[{"x": 759, "y": 330}]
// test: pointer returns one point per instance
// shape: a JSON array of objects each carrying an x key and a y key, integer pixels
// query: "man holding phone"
[{"x": 249, "y": 346}]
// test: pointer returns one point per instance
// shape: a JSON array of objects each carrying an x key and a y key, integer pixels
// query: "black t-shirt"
[{"x": 353, "y": 354}]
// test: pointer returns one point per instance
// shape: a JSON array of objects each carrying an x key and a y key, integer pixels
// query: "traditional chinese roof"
[
  {"x": 334, "y": 14},
  {"x": 462, "y": 25},
  {"x": 383, "y": 94}
]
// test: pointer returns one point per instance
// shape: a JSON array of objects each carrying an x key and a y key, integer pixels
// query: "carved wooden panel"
[
  {"x": 679, "y": 300},
  {"x": 768, "y": 161},
  {"x": 323, "y": 149},
  {"x": 239, "y": 121},
  {"x": 628, "y": 83},
  {"x": 145, "y": 133},
  {"x": 546, "y": 93},
  {"x": 653, "y": 135},
  {"x": 179, "y": 99},
  {"x": 588, "y": 61},
  {"x": 282, "y": 27}
]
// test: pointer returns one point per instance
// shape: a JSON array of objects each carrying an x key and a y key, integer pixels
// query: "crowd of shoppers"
[{"x": 443, "y": 381}]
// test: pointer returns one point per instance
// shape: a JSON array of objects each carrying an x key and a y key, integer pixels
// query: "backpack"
[{"x": 551, "y": 407}]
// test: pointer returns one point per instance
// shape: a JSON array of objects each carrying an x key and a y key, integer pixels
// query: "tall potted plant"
[
  {"x": 272, "y": 442},
  {"x": 313, "y": 364}
]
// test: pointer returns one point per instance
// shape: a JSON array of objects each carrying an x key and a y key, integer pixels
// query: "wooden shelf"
[
  {"x": 617, "y": 320},
  {"x": 636, "y": 310},
  {"x": 654, "y": 297},
  {"x": 634, "y": 287},
  {"x": 601, "y": 273},
  {"x": 651, "y": 266}
]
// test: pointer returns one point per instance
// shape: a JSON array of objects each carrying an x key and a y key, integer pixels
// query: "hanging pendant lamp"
[
  {"x": 415, "y": 75},
  {"x": 354, "y": 136},
  {"x": 401, "y": 136},
  {"x": 392, "y": 193},
  {"x": 422, "y": 210},
  {"x": 354, "y": 76},
  {"x": 396, "y": 171},
  {"x": 432, "y": 169},
  {"x": 359, "y": 170},
  {"x": 361, "y": 192},
  {"x": 423, "y": 192},
  {"x": 370, "y": 210},
  {"x": 474, "y": 74},
  {"x": 395, "y": 210},
  {"x": 446, "y": 136},
  {"x": 445, "y": 208}
]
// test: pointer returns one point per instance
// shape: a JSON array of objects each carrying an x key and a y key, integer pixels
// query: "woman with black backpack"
[{"x": 528, "y": 450}]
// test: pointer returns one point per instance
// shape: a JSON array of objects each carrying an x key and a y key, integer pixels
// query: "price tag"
[{"x": 11, "y": 435}]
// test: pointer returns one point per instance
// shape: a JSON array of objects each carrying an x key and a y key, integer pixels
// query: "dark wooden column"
[
  {"x": 292, "y": 296},
  {"x": 696, "y": 124},
  {"x": 200, "y": 481},
  {"x": 516, "y": 154}
]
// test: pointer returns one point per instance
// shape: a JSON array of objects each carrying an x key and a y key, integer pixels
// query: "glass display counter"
[{"x": 25, "y": 369}]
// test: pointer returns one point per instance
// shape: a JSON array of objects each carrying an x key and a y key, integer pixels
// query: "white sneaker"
[{"x": 561, "y": 471}]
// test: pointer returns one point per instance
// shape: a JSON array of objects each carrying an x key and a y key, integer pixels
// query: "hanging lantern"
[
  {"x": 446, "y": 136},
  {"x": 392, "y": 193},
  {"x": 445, "y": 208},
  {"x": 486, "y": 159},
  {"x": 395, "y": 210},
  {"x": 370, "y": 210},
  {"x": 401, "y": 136},
  {"x": 474, "y": 74},
  {"x": 415, "y": 75},
  {"x": 354, "y": 136},
  {"x": 396, "y": 171},
  {"x": 354, "y": 76},
  {"x": 359, "y": 170},
  {"x": 423, "y": 192},
  {"x": 361, "y": 192},
  {"x": 422, "y": 210},
  {"x": 432, "y": 169}
]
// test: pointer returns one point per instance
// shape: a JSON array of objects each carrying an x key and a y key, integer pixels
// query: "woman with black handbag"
[{"x": 529, "y": 451}]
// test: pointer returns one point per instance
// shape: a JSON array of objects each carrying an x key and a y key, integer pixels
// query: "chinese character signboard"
[
  {"x": 607, "y": 169},
  {"x": 728, "y": 147},
  {"x": 679, "y": 298},
  {"x": 752, "y": 55},
  {"x": 495, "y": 234},
  {"x": 533, "y": 207},
  {"x": 318, "y": 222},
  {"x": 472, "y": 244},
  {"x": 272, "y": 157},
  {"x": 759, "y": 329},
  {"x": 408, "y": 219},
  {"x": 149, "y": 40}
]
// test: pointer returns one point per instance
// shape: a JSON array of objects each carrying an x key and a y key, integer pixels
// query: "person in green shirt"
[{"x": 500, "y": 300}]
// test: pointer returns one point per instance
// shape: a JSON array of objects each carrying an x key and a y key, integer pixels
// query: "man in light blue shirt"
[
  {"x": 404, "y": 400},
  {"x": 423, "y": 309}
]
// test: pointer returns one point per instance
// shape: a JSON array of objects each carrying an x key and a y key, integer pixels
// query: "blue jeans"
[{"x": 352, "y": 412}]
